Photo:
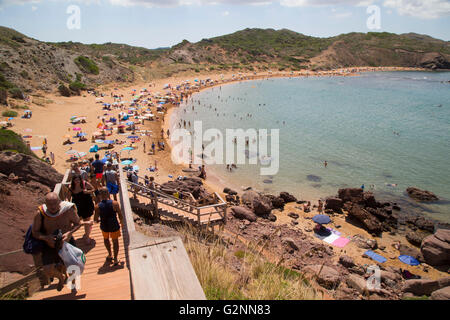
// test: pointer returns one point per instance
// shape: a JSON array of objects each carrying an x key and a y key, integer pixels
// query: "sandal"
[
  {"x": 116, "y": 263},
  {"x": 109, "y": 259}
]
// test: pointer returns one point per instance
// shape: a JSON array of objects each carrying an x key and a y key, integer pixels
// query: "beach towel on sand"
[
  {"x": 341, "y": 242},
  {"x": 372, "y": 255},
  {"x": 334, "y": 238}
]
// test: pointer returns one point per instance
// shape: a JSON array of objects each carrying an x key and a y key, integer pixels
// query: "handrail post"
[{"x": 198, "y": 217}]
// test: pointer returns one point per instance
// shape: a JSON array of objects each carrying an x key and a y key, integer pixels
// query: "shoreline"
[
  {"x": 219, "y": 182},
  {"x": 52, "y": 121}
]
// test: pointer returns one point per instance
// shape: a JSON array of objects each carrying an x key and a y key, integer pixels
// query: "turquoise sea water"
[{"x": 375, "y": 129}]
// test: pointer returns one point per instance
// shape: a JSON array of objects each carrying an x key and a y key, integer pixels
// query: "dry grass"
[{"x": 258, "y": 279}]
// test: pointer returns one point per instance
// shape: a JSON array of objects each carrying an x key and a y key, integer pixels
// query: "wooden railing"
[
  {"x": 189, "y": 207},
  {"x": 160, "y": 268}
]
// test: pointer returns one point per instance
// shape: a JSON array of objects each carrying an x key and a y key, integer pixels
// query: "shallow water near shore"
[{"x": 378, "y": 129}]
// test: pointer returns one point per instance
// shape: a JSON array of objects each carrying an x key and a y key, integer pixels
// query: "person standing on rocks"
[{"x": 320, "y": 206}]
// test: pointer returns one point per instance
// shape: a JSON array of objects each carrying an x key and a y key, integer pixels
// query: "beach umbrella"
[
  {"x": 27, "y": 137},
  {"x": 133, "y": 137},
  {"x": 82, "y": 134},
  {"x": 71, "y": 152},
  {"x": 73, "y": 118},
  {"x": 409, "y": 260},
  {"x": 127, "y": 149},
  {"x": 99, "y": 141},
  {"x": 28, "y": 130},
  {"x": 109, "y": 141},
  {"x": 127, "y": 162},
  {"x": 321, "y": 219},
  {"x": 77, "y": 129},
  {"x": 129, "y": 123}
]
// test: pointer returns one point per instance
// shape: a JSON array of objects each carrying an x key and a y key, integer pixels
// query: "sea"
[{"x": 384, "y": 130}]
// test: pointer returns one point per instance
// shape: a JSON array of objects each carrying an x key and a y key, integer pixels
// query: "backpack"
[{"x": 32, "y": 245}]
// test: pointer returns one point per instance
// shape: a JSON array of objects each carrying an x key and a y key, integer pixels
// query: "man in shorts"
[
  {"x": 54, "y": 216},
  {"x": 106, "y": 212},
  {"x": 98, "y": 168},
  {"x": 111, "y": 180}
]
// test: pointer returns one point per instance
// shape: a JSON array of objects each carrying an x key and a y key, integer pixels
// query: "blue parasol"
[
  {"x": 109, "y": 141},
  {"x": 127, "y": 162},
  {"x": 321, "y": 219},
  {"x": 127, "y": 148},
  {"x": 133, "y": 137},
  {"x": 409, "y": 260}
]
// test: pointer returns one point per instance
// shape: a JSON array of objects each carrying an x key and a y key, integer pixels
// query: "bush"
[
  {"x": 64, "y": 91},
  {"x": 16, "y": 93},
  {"x": 87, "y": 65},
  {"x": 24, "y": 74},
  {"x": 11, "y": 141},
  {"x": 77, "y": 86},
  {"x": 9, "y": 113},
  {"x": 5, "y": 83}
]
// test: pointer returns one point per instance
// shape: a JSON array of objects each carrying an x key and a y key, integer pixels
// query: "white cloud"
[
  {"x": 343, "y": 15},
  {"x": 424, "y": 9},
  {"x": 317, "y": 3},
  {"x": 226, "y": 13}
]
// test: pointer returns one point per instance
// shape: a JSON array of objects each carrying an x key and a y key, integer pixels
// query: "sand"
[{"x": 52, "y": 121}]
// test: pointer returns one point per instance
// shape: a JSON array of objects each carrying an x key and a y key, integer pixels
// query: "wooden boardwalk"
[
  {"x": 151, "y": 269},
  {"x": 100, "y": 280}
]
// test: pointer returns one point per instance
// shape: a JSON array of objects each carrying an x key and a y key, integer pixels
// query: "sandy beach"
[{"x": 52, "y": 122}]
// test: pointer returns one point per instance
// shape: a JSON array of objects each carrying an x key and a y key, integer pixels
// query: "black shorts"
[{"x": 50, "y": 255}]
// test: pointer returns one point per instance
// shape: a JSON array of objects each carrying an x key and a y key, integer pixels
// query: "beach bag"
[
  {"x": 72, "y": 256},
  {"x": 32, "y": 245}
]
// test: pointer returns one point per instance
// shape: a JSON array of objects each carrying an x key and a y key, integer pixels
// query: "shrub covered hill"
[{"x": 28, "y": 64}]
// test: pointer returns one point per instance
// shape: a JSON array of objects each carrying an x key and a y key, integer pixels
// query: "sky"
[{"x": 164, "y": 23}]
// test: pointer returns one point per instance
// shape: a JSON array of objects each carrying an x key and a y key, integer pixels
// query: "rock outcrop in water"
[{"x": 421, "y": 195}]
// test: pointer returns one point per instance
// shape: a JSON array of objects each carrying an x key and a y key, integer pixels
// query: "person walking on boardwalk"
[
  {"x": 81, "y": 194},
  {"x": 111, "y": 180},
  {"x": 106, "y": 212},
  {"x": 98, "y": 166},
  {"x": 54, "y": 217}
]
